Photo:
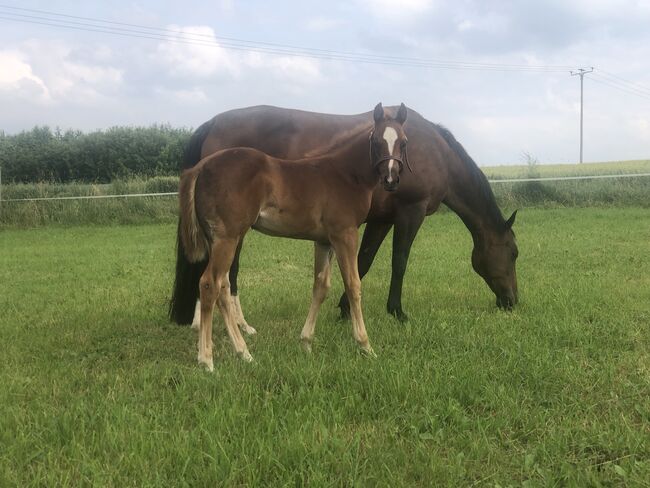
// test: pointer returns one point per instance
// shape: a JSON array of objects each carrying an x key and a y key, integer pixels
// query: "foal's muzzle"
[{"x": 390, "y": 185}]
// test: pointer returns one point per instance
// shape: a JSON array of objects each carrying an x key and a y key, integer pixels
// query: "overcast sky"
[{"x": 91, "y": 80}]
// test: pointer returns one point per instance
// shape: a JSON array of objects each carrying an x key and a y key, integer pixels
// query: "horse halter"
[{"x": 388, "y": 158}]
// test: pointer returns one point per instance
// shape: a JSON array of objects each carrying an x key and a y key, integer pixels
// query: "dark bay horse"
[
  {"x": 323, "y": 199},
  {"x": 443, "y": 172}
]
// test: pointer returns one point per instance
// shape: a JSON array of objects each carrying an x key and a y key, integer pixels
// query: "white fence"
[{"x": 133, "y": 195}]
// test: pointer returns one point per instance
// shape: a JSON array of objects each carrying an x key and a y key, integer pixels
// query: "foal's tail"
[
  {"x": 186, "y": 281},
  {"x": 195, "y": 242}
]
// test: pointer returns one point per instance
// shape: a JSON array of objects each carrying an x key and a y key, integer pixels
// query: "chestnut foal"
[{"x": 323, "y": 199}]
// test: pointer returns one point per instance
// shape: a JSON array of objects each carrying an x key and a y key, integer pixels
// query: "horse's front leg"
[
  {"x": 407, "y": 224},
  {"x": 345, "y": 246},
  {"x": 373, "y": 236}
]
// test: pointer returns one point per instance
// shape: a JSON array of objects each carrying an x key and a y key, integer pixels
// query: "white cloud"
[
  {"x": 47, "y": 70},
  {"x": 17, "y": 76},
  {"x": 195, "y": 52},
  {"x": 323, "y": 24},
  {"x": 202, "y": 58},
  {"x": 402, "y": 10},
  {"x": 189, "y": 96}
]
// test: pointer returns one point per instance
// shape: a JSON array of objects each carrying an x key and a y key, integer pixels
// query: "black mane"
[{"x": 480, "y": 181}]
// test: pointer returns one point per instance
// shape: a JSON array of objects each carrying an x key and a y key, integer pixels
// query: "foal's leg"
[
  {"x": 373, "y": 236},
  {"x": 214, "y": 286},
  {"x": 234, "y": 292},
  {"x": 345, "y": 246},
  {"x": 407, "y": 224},
  {"x": 322, "y": 284}
]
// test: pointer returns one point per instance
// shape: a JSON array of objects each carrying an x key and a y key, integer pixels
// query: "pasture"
[{"x": 98, "y": 388}]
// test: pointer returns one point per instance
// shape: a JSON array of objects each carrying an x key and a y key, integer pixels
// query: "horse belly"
[{"x": 279, "y": 222}]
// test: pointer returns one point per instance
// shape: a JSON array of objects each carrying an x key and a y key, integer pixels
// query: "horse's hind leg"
[
  {"x": 407, "y": 224},
  {"x": 345, "y": 246},
  {"x": 322, "y": 284},
  {"x": 215, "y": 287}
]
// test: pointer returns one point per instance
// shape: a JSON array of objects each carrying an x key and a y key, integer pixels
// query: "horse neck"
[
  {"x": 471, "y": 198},
  {"x": 353, "y": 161}
]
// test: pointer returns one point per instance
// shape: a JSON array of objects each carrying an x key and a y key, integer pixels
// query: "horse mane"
[{"x": 480, "y": 181}]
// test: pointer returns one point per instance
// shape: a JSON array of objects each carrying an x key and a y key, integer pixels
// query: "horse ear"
[
  {"x": 511, "y": 220},
  {"x": 401, "y": 114},
  {"x": 378, "y": 113}
]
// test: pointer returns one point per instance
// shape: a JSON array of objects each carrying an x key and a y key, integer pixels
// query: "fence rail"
[{"x": 173, "y": 193}]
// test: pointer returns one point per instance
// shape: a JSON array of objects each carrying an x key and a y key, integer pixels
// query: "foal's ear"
[
  {"x": 378, "y": 113},
  {"x": 511, "y": 220},
  {"x": 401, "y": 114}
]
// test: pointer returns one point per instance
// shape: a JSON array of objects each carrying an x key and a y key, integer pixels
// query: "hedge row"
[{"x": 42, "y": 154}]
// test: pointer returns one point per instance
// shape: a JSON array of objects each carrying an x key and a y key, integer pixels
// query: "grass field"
[{"x": 97, "y": 388}]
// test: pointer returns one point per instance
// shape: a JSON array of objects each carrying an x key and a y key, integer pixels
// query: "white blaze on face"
[{"x": 390, "y": 136}]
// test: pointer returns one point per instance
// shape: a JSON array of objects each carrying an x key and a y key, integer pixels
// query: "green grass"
[{"x": 97, "y": 388}]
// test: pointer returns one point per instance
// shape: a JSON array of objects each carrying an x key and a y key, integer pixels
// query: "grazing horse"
[
  {"x": 323, "y": 199},
  {"x": 443, "y": 172}
]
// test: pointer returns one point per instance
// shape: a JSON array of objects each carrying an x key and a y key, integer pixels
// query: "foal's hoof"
[
  {"x": 208, "y": 364},
  {"x": 306, "y": 345},
  {"x": 246, "y": 356},
  {"x": 247, "y": 329},
  {"x": 195, "y": 326},
  {"x": 368, "y": 352}
]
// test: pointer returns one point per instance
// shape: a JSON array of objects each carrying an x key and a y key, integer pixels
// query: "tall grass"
[{"x": 578, "y": 193}]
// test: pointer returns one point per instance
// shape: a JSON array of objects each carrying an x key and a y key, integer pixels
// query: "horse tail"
[
  {"x": 192, "y": 153},
  {"x": 195, "y": 242},
  {"x": 186, "y": 282}
]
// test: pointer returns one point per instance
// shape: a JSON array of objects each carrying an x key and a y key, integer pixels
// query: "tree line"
[{"x": 43, "y": 154}]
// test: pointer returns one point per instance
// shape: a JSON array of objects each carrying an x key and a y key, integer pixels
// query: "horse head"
[
  {"x": 388, "y": 146},
  {"x": 493, "y": 258}
]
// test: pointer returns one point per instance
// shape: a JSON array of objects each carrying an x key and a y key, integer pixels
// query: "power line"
[
  {"x": 131, "y": 30},
  {"x": 632, "y": 84},
  {"x": 289, "y": 46},
  {"x": 619, "y": 86}
]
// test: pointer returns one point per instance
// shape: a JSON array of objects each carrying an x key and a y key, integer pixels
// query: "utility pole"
[{"x": 581, "y": 72}]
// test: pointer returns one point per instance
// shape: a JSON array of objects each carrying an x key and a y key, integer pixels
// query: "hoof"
[
  {"x": 246, "y": 356},
  {"x": 399, "y": 315},
  {"x": 208, "y": 364},
  {"x": 195, "y": 326},
  {"x": 247, "y": 329},
  {"x": 306, "y": 345},
  {"x": 368, "y": 352}
]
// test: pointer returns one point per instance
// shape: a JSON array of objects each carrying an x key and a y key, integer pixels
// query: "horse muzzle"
[
  {"x": 507, "y": 300},
  {"x": 390, "y": 186}
]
